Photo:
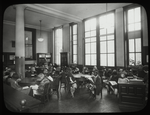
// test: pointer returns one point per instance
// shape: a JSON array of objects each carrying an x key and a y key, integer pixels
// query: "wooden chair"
[
  {"x": 54, "y": 87},
  {"x": 45, "y": 95},
  {"x": 63, "y": 82}
]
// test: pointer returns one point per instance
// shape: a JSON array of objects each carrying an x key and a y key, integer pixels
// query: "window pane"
[
  {"x": 131, "y": 59},
  {"x": 87, "y": 59},
  {"x": 131, "y": 27},
  {"x": 74, "y": 29},
  {"x": 93, "y": 33},
  {"x": 110, "y": 19},
  {"x": 138, "y": 44},
  {"x": 58, "y": 44},
  {"x": 111, "y": 60},
  {"x": 102, "y": 31},
  {"x": 137, "y": 26},
  {"x": 102, "y": 47},
  {"x": 93, "y": 24},
  {"x": 74, "y": 58},
  {"x": 87, "y": 48},
  {"x": 137, "y": 14},
  {"x": 87, "y": 25},
  {"x": 110, "y": 37},
  {"x": 103, "y": 59},
  {"x": 74, "y": 49},
  {"x": 131, "y": 45},
  {"x": 74, "y": 37},
  {"x": 93, "y": 47},
  {"x": 93, "y": 39},
  {"x": 102, "y": 21},
  {"x": 138, "y": 58},
  {"x": 28, "y": 37},
  {"x": 28, "y": 52},
  {"x": 74, "y": 42},
  {"x": 110, "y": 30},
  {"x": 87, "y": 34},
  {"x": 102, "y": 38},
  {"x": 87, "y": 40},
  {"x": 93, "y": 59},
  {"x": 111, "y": 46},
  {"x": 131, "y": 16}
]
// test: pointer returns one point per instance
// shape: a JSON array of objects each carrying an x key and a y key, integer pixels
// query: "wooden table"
[
  {"x": 28, "y": 81},
  {"x": 80, "y": 75},
  {"x": 12, "y": 98},
  {"x": 82, "y": 79}
]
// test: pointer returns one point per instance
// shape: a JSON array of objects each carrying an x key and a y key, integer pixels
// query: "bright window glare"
[
  {"x": 58, "y": 45},
  {"x": 134, "y": 19},
  {"x": 90, "y": 42},
  {"x": 103, "y": 59}
]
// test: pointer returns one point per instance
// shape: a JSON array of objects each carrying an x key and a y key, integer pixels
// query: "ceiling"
[{"x": 54, "y": 15}]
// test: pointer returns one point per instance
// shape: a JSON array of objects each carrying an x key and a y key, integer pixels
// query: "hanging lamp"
[{"x": 40, "y": 39}]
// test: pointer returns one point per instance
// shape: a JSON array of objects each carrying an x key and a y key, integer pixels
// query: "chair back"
[
  {"x": 55, "y": 83},
  {"x": 46, "y": 88}
]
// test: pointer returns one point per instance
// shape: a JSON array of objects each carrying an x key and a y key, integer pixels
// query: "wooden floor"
[{"x": 81, "y": 103}]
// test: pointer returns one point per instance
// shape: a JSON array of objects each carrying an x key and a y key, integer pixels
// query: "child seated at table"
[
  {"x": 122, "y": 78},
  {"x": 43, "y": 78},
  {"x": 85, "y": 70},
  {"x": 31, "y": 73},
  {"x": 113, "y": 82},
  {"x": 75, "y": 70},
  {"x": 72, "y": 85},
  {"x": 13, "y": 80}
]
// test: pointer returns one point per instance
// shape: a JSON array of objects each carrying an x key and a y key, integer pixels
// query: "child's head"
[
  {"x": 45, "y": 71},
  {"x": 122, "y": 75},
  {"x": 32, "y": 69}
]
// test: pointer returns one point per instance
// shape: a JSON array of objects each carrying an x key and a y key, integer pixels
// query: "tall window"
[
  {"x": 30, "y": 43},
  {"x": 134, "y": 35},
  {"x": 106, "y": 38},
  {"x": 58, "y": 44},
  {"x": 73, "y": 32},
  {"x": 90, "y": 42}
]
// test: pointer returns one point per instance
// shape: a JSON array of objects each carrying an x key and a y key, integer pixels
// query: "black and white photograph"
[{"x": 75, "y": 58}]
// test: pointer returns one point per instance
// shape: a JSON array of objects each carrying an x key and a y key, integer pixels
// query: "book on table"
[{"x": 113, "y": 82}]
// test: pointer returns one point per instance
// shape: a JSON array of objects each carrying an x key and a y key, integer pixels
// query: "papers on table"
[
  {"x": 113, "y": 82},
  {"x": 26, "y": 87},
  {"x": 79, "y": 75},
  {"x": 50, "y": 78},
  {"x": 34, "y": 87},
  {"x": 135, "y": 79}
]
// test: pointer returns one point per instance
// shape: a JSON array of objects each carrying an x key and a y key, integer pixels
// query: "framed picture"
[{"x": 11, "y": 57}]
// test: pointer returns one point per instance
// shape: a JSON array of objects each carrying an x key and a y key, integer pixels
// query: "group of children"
[{"x": 52, "y": 73}]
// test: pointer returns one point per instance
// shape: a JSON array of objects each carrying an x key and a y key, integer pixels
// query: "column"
[
  {"x": 120, "y": 54},
  {"x": 20, "y": 42}
]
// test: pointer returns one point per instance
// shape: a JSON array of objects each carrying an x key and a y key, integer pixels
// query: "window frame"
[
  {"x": 33, "y": 43},
  {"x": 126, "y": 33},
  {"x": 114, "y": 40},
  {"x": 90, "y": 40},
  {"x": 72, "y": 48},
  {"x": 54, "y": 41},
  {"x": 97, "y": 39}
]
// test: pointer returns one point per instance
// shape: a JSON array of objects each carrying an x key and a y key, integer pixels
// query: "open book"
[
  {"x": 113, "y": 82},
  {"x": 25, "y": 87}
]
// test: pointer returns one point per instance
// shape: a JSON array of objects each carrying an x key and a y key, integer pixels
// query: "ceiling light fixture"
[{"x": 40, "y": 39}]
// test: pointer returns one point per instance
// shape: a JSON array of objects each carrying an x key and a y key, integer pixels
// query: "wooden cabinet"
[
  {"x": 131, "y": 96},
  {"x": 44, "y": 57},
  {"x": 64, "y": 58}
]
